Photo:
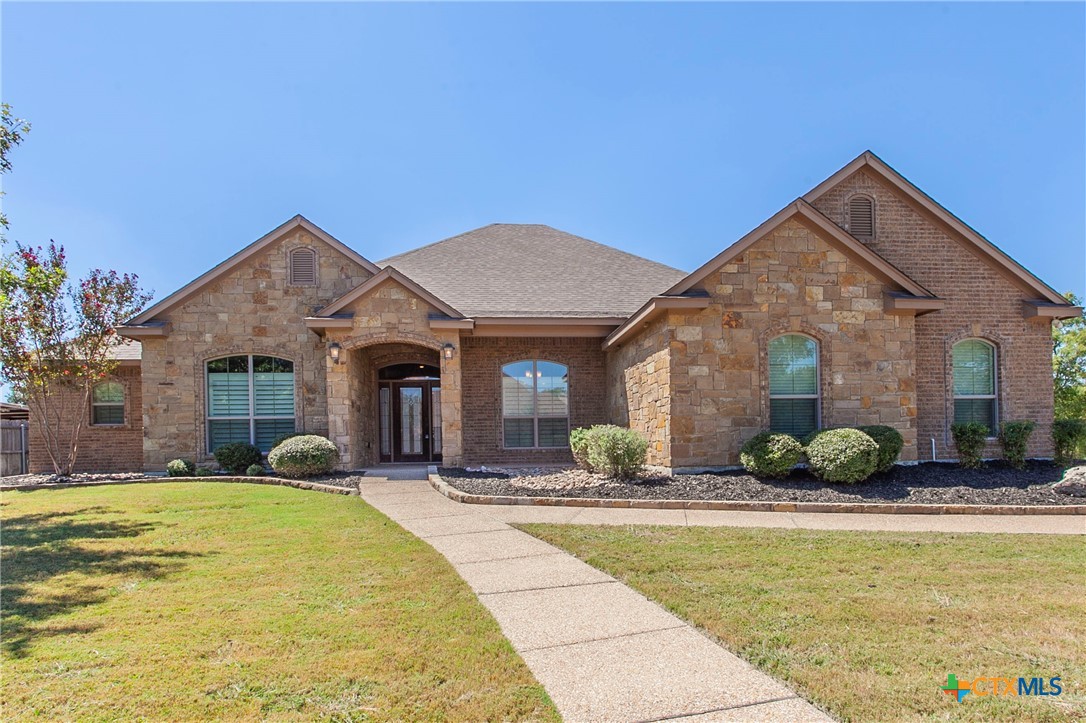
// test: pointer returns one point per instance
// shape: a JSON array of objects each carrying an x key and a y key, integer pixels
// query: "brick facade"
[
  {"x": 109, "y": 448},
  {"x": 483, "y": 358},
  {"x": 981, "y": 302}
]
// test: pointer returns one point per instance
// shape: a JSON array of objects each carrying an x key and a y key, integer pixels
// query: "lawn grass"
[
  {"x": 868, "y": 625},
  {"x": 232, "y": 601}
]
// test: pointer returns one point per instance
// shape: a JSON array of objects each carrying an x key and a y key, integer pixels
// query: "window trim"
[
  {"x": 994, "y": 396},
  {"x": 817, "y": 396},
  {"x": 252, "y": 418},
  {"x": 535, "y": 417},
  {"x": 312, "y": 252},
  {"x": 123, "y": 404}
]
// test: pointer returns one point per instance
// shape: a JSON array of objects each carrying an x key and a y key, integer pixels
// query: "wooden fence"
[{"x": 14, "y": 447}]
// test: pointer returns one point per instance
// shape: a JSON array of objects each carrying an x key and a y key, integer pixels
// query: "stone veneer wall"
[
  {"x": 483, "y": 358},
  {"x": 251, "y": 310},
  {"x": 639, "y": 388},
  {"x": 790, "y": 281},
  {"x": 980, "y": 302},
  {"x": 101, "y": 448}
]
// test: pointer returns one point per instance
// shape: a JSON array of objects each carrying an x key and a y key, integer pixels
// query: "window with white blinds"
[
  {"x": 535, "y": 404},
  {"x": 793, "y": 385},
  {"x": 861, "y": 217},
  {"x": 975, "y": 383},
  {"x": 303, "y": 267},
  {"x": 249, "y": 399}
]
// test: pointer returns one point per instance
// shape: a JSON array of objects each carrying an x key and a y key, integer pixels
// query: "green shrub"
[
  {"x": 1067, "y": 436},
  {"x": 616, "y": 451},
  {"x": 843, "y": 455},
  {"x": 255, "y": 470},
  {"x": 970, "y": 438},
  {"x": 1014, "y": 438},
  {"x": 578, "y": 445},
  {"x": 203, "y": 472},
  {"x": 304, "y": 456},
  {"x": 890, "y": 444},
  {"x": 284, "y": 437},
  {"x": 771, "y": 455},
  {"x": 237, "y": 456},
  {"x": 180, "y": 468}
]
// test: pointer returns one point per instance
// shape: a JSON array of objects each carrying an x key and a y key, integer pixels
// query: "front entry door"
[{"x": 411, "y": 421}]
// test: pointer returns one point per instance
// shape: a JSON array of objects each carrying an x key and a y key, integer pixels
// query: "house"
[{"x": 862, "y": 302}]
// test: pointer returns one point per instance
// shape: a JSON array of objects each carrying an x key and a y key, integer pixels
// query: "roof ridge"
[{"x": 389, "y": 259}]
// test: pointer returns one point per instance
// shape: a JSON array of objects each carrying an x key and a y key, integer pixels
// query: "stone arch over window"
[
  {"x": 975, "y": 382},
  {"x": 250, "y": 398},
  {"x": 107, "y": 404},
  {"x": 795, "y": 388},
  {"x": 303, "y": 266},
  {"x": 535, "y": 404},
  {"x": 861, "y": 216}
]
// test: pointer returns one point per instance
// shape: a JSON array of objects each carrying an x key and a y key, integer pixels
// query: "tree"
[
  {"x": 12, "y": 130},
  {"x": 56, "y": 340},
  {"x": 1069, "y": 365}
]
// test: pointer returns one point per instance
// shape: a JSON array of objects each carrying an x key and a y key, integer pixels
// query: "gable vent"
[
  {"x": 303, "y": 267},
  {"x": 861, "y": 217}
]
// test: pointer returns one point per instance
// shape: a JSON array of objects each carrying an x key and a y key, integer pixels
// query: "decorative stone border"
[
  {"x": 282, "y": 482},
  {"x": 878, "y": 508}
]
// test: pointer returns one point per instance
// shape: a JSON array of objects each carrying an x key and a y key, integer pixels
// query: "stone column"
[
  {"x": 339, "y": 402},
  {"x": 452, "y": 424}
]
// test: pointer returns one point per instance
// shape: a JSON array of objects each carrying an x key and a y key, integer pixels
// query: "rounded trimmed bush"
[
  {"x": 180, "y": 468},
  {"x": 304, "y": 456},
  {"x": 203, "y": 472},
  {"x": 255, "y": 470},
  {"x": 890, "y": 444},
  {"x": 771, "y": 454},
  {"x": 616, "y": 451},
  {"x": 970, "y": 438},
  {"x": 843, "y": 455},
  {"x": 237, "y": 456},
  {"x": 578, "y": 445}
]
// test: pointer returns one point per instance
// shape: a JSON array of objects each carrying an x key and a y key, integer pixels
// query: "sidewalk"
[{"x": 601, "y": 650}]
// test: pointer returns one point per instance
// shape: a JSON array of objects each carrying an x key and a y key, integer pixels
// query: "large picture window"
[
  {"x": 975, "y": 383},
  {"x": 793, "y": 385},
  {"x": 249, "y": 399},
  {"x": 535, "y": 404},
  {"x": 107, "y": 404}
]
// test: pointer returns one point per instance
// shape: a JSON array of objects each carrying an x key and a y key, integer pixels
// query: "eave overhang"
[
  {"x": 655, "y": 306},
  {"x": 144, "y": 331},
  {"x": 1041, "y": 310},
  {"x": 910, "y": 305}
]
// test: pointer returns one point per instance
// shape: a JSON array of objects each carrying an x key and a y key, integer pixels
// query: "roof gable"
[
  {"x": 961, "y": 230},
  {"x": 532, "y": 270},
  {"x": 189, "y": 290},
  {"x": 386, "y": 276},
  {"x": 808, "y": 215}
]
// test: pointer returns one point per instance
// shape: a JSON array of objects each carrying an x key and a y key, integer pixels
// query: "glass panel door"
[{"x": 411, "y": 439}]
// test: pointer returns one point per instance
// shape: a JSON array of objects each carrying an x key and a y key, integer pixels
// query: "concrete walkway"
[{"x": 602, "y": 651}]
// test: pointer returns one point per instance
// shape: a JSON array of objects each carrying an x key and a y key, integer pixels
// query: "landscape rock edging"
[
  {"x": 881, "y": 508},
  {"x": 282, "y": 482}
]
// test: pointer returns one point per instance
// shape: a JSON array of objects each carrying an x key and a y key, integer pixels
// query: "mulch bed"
[{"x": 928, "y": 483}]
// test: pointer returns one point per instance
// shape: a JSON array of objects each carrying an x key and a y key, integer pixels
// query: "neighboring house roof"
[
  {"x": 127, "y": 350},
  {"x": 868, "y": 160},
  {"x": 14, "y": 411},
  {"x": 532, "y": 270},
  {"x": 187, "y": 291}
]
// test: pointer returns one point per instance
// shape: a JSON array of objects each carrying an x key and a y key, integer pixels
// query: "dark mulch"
[{"x": 928, "y": 483}]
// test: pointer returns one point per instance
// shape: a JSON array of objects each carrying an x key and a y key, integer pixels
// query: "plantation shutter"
[
  {"x": 228, "y": 387},
  {"x": 861, "y": 217}
]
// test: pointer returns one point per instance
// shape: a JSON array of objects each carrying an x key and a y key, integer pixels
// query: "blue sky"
[{"x": 168, "y": 136}]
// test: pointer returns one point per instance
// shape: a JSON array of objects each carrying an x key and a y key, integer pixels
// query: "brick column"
[{"x": 452, "y": 425}]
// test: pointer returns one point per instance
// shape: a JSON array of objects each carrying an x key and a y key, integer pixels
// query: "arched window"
[
  {"x": 303, "y": 267},
  {"x": 249, "y": 399},
  {"x": 107, "y": 403},
  {"x": 535, "y": 404},
  {"x": 861, "y": 217},
  {"x": 975, "y": 383},
  {"x": 793, "y": 385}
]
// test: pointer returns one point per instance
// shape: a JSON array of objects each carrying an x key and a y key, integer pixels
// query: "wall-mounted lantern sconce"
[
  {"x": 333, "y": 351},
  {"x": 448, "y": 350}
]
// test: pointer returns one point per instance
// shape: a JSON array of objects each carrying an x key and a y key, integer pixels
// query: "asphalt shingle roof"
[{"x": 526, "y": 270}]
